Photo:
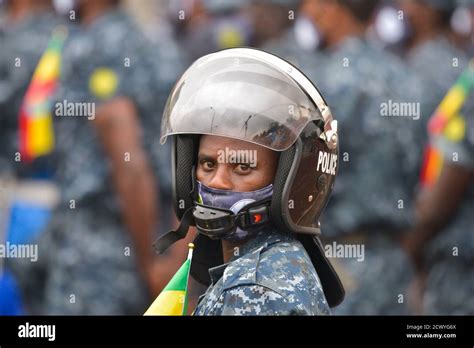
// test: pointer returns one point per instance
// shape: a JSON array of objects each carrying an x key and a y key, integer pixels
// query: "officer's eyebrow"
[{"x": 203, "y": 157}]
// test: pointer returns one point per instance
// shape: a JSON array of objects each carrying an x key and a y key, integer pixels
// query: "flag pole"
[
  {"x": 190, "y": 252},
  {"x": 190, "y": 256}
]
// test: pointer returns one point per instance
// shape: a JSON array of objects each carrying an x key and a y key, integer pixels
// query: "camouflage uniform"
[
  {"x": 87, "y": 261},
  {"x": 450, "y": 255},
  {"x": 22, "y": 45},
  {"x": 272, "y": 275},
  {"x": 438, "y": 64},
  {"x": 379, "y": 163},
  {"x": 347, "y": 95},
  {"x": 449, "y": 285},
  {"x": 4, "y": 92}
]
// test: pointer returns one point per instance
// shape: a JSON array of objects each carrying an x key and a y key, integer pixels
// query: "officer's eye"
[
  {"x": 243, "y": 168},
  {"x": 207, "y": 165}
]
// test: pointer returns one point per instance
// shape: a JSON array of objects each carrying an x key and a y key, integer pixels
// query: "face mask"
[
  {"x": 389, "y": 28},
  {"x": 234, "y": 202}
]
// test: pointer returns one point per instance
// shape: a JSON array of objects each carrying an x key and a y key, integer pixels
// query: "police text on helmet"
[{"x": 327, "y": 162}]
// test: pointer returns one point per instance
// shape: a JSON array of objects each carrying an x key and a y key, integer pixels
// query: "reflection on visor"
[{"x": 239, "y": 97}]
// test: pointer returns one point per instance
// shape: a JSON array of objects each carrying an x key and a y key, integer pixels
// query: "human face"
[{"x": 251, "y": 168}]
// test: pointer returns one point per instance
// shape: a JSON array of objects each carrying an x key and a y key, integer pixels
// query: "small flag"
[
  {"x": 35, "y": 119},
  {"x": 173, "y": 300},
  {"x": 447, "y": 122}
]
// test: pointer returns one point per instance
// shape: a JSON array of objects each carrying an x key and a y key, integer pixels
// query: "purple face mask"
[{"x": 234, "y": 201}]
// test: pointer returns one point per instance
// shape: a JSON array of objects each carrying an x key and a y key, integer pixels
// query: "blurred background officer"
[
  {"x": 430, "y": 51},
  {"x": 379, "y": 166},
  {"x": 96, "y": 256},
  {"x": 107, "y": 63},
  {"x": 442, "y": 244},
  {"x": 26, "y": 192}
]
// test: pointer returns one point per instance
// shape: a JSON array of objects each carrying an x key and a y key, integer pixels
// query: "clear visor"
[{"x": 239, "y": 95}]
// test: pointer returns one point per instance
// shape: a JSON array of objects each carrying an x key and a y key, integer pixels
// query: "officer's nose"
[{"x": 222, "y": 178}]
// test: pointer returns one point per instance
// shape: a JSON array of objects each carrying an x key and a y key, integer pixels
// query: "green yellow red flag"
[
  {"x": 173, "y": 300},
  {"x": 35, "y": 119}
]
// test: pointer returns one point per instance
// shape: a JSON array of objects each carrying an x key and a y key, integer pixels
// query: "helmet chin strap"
[
  {"x": 164, "y": 242},
  {"x": 217, "y": 223}
]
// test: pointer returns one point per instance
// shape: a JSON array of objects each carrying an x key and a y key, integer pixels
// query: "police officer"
[
  {"x": 439, "y": 63},
  {"x": 96, "y": 255},
  {"x": 255, "y": 150},
  {"x": 380, "y": 152},
  {"x": 450, "y": 254},
  {"x": 441, "y": 243}
]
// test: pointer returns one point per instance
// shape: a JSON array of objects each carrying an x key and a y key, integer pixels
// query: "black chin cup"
[
  {"x": 218, "y": 223},
  {"x": 214, "y": 223}
]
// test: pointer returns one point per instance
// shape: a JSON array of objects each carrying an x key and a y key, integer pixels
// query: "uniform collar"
[
  {"x": 217, "y": 272},
  {"x": 247, "y": 260},
  {"x": 266, "y": 236}
]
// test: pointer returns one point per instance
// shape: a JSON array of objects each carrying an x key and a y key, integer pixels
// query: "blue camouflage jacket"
[{"x": 271, "y": 275}]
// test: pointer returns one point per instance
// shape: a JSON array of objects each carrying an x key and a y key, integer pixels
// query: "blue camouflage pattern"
[
  {"x": 379, "y": 163},
  {"x": 86, "y": 251},
  {"x": 382, "y": 154},
  {"x": 273, "y": 275},
  {"x": 450, "y": 254},
  {"x": 22, "y": 45}
]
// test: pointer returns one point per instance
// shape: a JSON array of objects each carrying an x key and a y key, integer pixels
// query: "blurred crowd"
[{"x": 94, "y": 204}]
